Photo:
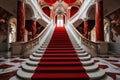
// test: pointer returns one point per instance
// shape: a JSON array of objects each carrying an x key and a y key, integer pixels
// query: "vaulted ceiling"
[
  {"x": 109, "y": 5},
  {"x": 51, "y": 2}
]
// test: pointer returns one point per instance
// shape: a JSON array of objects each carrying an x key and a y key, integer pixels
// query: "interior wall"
[
  {"x": 4, "y": 27},
  {"x": 3, "y": 36},
  {"x": 69, "y": 1},
  {"x": 46, "y": 10},
  {"x": 73, "y": 10},
  {"x": 115, "y": 26}
]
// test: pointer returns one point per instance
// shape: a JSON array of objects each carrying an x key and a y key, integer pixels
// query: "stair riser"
[
  {"x": 60, "y": 64},
  {"x": 52, "y": 55},
  {"x": 59, "y": 71},
  {"x": 60, "y": 79}
]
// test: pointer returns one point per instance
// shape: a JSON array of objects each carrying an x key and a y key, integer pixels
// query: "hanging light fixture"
[{"x": 60, "y": 9}]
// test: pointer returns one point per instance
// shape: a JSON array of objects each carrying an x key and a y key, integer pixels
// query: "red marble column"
[
  {"x": 34, "y": 29},
  {"x": 99, "y": 21},
  {"x": 86, "y": 28},
  {"x": 20, "y": 20}
]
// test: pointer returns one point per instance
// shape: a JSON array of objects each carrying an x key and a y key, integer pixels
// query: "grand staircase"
[{"x": 60, "y": 58}]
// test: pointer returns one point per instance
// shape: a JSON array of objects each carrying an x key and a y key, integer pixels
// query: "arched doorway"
[{"x": 60, "y": 20}]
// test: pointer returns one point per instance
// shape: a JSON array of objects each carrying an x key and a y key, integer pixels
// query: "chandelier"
[{"x": 60, "y": 9}]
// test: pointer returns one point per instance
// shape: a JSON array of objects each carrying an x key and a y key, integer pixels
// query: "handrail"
[
  {"x": 89, "y": 46},
  {"x": 38, "y": 13},
  {"x": 25, "y": 48},
  {"x": 46, "y": 16},
  {"x": 74, "y": 16}
]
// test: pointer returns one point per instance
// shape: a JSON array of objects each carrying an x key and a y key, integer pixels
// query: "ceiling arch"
[
  {"x": 91, "y": 12},
  {"x": 69, "y": 1},
  {"x": 29, "y": 12},
  {"x": 46, "y": 10},
  {"x": 50, "y": 2}
]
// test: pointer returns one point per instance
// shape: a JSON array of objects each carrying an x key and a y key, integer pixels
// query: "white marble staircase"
[
  {"x": 29, "y": 66},
  {"x": 91, "y": 68}
]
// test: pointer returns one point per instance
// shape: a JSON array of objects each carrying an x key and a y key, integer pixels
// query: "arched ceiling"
[
  {"x": 109, "y": 5},
  {"x": 69, "y": 1},
  {"x": 51, "y": 2},
  {"x": 60, "y": 6},
  {"x": 54, "y": 3},
  {"x": 57, "y": 6}
]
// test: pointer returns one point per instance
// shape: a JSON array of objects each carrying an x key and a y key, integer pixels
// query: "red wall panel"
[
  {"x": 50, "y": 1},
  {"x": 69, "y": 1},
  {"x": 73, "y": 11},
  {"x": 46, "y": 10}
]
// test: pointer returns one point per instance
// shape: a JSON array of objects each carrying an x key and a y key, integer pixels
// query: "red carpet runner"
[{"x": 60, "y": 61}]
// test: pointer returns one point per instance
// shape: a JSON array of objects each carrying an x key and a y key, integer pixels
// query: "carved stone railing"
[
  {"x": 46, "y": 17},
  {"x": 26, "y": 48},
  {"x": 92, "y": 47},
  {"x": 73, "y": 18}
]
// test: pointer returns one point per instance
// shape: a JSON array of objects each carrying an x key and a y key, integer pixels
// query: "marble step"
[
  {"x": 32, "y": 68},
  {"x": 80, "y": 51},
  {"x": 60, "y": 48},
  {"x": 85, "y": 58},
  {"x": 35, "y": 63},
  {"x": 61, "y": 51},
  {"x": 89, "y": 62},
  {"x": 95, "y": 75},
  {"x": 45, "y": 45},
  {"x": 41, "y": 54},
  {"x": 82, "y": 54},
  {"x": 40, "y": 51}
]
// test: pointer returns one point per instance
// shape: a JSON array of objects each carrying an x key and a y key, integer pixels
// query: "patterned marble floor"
[{"x": 10, "y": 64}]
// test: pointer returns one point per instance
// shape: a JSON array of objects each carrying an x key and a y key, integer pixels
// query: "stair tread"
[
  {"x": 60, "y": 68},
  {"x": 61, "y": 48},
  {"x": 60, "y": 63},
  {"x": 87, "y": 68},
  {"x": 64, "y": 51},
  {"x": 60, "y": 55},
  {"x": 60, "y": 58},
  {"x": 61, "y": 76},
  {"x": 89, "y": 62},
  {"x": 95, "y": 75}
]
